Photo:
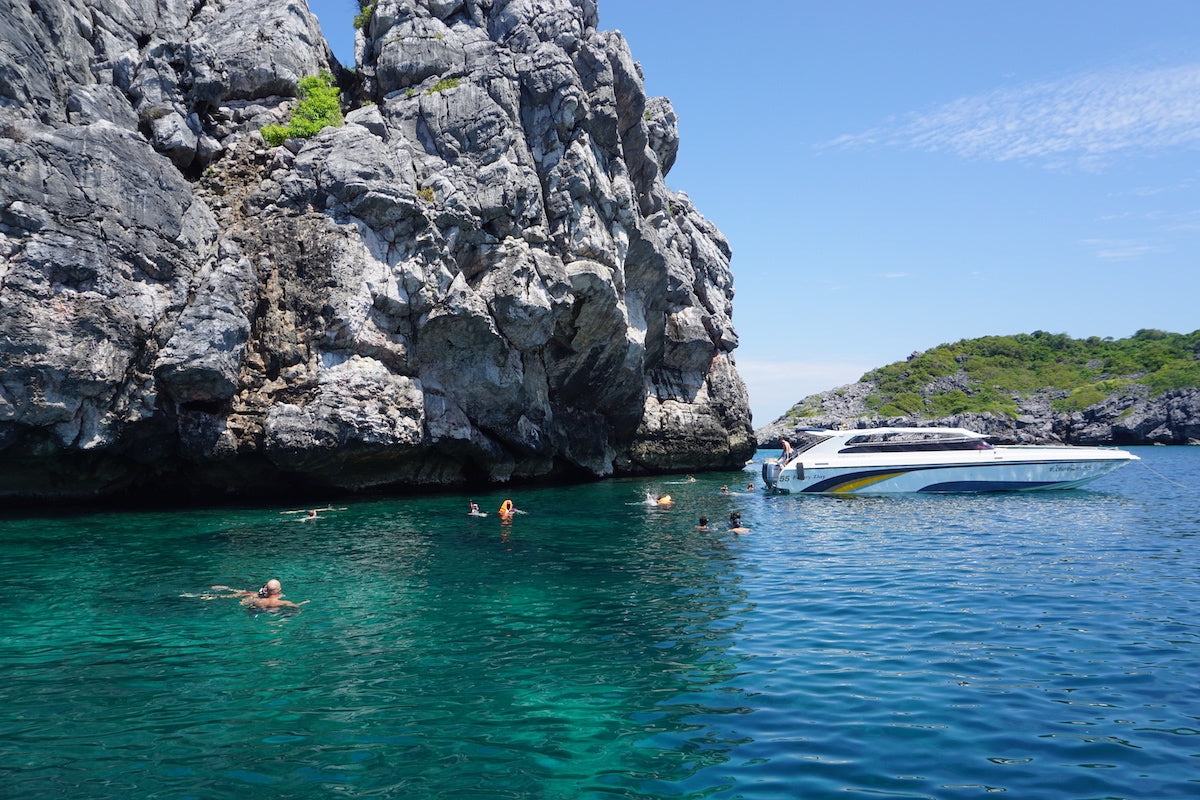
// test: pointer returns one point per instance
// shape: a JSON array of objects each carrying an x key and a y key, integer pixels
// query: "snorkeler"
[
  {"x": 269, "y": 596},
  {"x": 507, "y": 511}
]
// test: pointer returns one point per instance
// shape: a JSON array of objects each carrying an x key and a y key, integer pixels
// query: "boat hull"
[{"x": 1003, "y": 474}]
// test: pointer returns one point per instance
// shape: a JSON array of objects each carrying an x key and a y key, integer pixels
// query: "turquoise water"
[{"x": 1046, "y": 646}]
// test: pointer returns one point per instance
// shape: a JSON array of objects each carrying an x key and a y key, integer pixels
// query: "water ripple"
[{"x": 1040, "y": 645}]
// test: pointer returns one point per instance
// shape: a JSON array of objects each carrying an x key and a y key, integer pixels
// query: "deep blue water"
[{"x": 1045, "y": 646}]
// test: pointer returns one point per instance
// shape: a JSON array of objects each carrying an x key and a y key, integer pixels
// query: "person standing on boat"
[{"x": 787, "y": 451}]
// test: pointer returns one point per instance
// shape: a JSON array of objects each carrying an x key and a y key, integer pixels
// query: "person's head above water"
[{"x": 271, "y": 588}]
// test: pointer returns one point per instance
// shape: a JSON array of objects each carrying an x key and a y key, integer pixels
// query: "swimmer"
[
  {"x": 473, "y": 510},
  {"x": 311, "y": 513},
  {"x": 507, "y": 511},
  {"x": 750, "y": 487},
  {"x": 735, "y": 523},
  {"x": 703, "y": 526},
  {"x": 269, "y": 596},
  {"x": 665, "y": 500},
  {"x": 724, "y": 490}
]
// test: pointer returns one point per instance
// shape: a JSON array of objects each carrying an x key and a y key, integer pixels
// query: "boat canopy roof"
[{"x": 899, "y": 440}]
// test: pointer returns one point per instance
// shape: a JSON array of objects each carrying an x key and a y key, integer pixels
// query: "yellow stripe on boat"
[{"x": 853, "y": 486}]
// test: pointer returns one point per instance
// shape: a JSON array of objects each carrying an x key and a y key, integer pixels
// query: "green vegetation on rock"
[
  {"x": 363, "y": 17},
  {"x": 319, "y": 108},
  {"x": 989, "y": 373},
  {"x": 443, "y": 85}
]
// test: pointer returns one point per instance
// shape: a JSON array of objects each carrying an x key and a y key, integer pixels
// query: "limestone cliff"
[{"x": 481, "y": 276}]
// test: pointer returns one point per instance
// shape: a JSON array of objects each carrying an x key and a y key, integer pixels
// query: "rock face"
[
  {"x": 1131, "y": 416},
  {"x": 481, "y": 276}
]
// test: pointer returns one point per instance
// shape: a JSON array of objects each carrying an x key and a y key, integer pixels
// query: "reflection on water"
[{"x": 1044, "y": 645}]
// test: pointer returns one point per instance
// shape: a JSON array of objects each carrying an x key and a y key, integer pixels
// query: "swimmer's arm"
[{"x": 236, "y": 592}]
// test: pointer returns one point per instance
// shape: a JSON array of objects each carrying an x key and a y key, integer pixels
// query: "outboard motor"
[{"x": 770, "y": 472}]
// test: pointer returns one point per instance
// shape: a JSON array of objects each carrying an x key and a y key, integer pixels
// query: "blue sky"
[{"x": 897, "y": 175}]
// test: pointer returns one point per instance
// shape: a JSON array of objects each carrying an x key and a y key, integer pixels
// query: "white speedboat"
[{"x": 886, "y": 460}]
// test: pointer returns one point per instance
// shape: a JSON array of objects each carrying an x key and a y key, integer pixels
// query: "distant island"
[{"x": 1026, "y": 388}]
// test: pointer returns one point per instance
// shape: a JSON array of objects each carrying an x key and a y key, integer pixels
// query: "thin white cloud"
[
  {"x": 1187, "y": 184},
  {"x": 1119, "y": 249},
  {"x": 1084, "y": 119},
  {"x": 1182, "y": 222},
  {"x": 776, "y": 386},
  {"x": 1178, "y": 221}
]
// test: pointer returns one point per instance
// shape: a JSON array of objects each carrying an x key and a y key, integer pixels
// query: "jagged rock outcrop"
[
  {"x": 480, "y": 276},
  {"x": 1131, "y": 416}
]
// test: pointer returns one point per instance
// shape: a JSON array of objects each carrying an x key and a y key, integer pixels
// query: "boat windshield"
[
  {"x": 912, "y": 442},
  {"x": 811, "y": 439}
]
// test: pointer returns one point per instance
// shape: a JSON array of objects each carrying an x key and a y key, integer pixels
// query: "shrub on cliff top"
[
  {"x": 319, "y": 108},
  {"x": 363, "y": 17}
]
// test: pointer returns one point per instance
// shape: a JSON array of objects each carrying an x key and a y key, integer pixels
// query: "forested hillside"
[
  {"x": 1028, "y": 387},
  {"x": 1000, "y": 369}
]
